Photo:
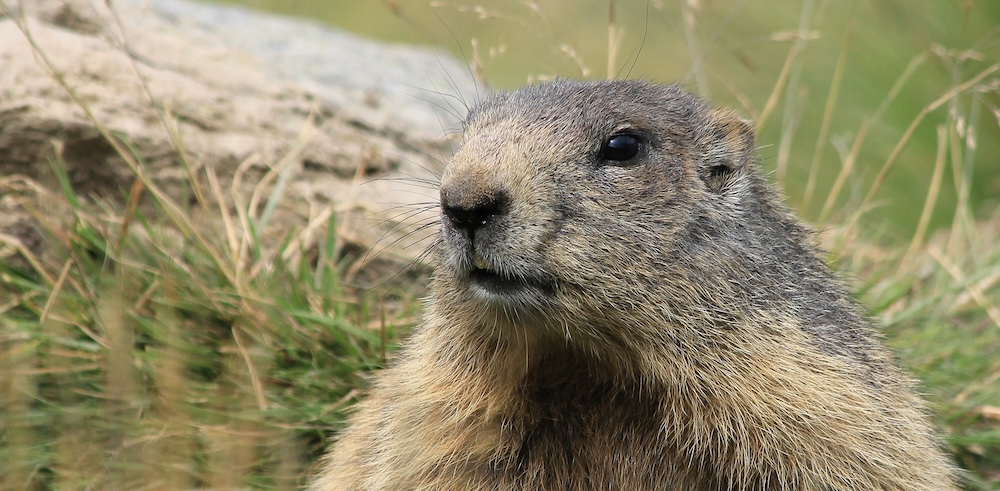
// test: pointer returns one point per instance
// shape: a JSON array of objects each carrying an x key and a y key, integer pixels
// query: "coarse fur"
[{"x": 607, "y": 319}]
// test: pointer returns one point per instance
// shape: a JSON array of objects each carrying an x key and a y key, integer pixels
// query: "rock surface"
[{"x": 279, "y": 107}]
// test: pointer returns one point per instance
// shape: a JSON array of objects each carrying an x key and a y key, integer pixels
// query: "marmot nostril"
[{"x": 470, "y": 216}]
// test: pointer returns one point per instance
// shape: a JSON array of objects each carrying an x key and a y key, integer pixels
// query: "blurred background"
[{"x": 836, "y": 67}]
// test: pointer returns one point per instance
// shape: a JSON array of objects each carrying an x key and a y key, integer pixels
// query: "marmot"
[{"x": 621, "y": 301}]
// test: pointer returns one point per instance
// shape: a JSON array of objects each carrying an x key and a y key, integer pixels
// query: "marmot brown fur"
[{"x": 621, "y": 301}]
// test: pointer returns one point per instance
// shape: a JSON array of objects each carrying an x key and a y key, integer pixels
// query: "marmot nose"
[{"x": 470, "y": 215}]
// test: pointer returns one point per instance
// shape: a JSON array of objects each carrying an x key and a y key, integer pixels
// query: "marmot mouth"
[
  {"x": 494, "y": 282},
  {"x": 500, "y": 285}
]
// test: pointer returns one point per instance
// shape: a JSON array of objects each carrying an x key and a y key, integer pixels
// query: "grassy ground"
[{"x": 146, "y": 352}]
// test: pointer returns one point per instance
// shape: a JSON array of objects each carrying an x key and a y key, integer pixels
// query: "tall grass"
[
  {"x": 144, "y": 357},
  {"x": 146, "y": 350}
]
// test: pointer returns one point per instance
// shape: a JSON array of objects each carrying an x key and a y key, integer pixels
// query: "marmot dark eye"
[{"x": 621, "y": 148}]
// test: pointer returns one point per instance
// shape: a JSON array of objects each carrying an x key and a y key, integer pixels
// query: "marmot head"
[{"x": 569, "y": 198}]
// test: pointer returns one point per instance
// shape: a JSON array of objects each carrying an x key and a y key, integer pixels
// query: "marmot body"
[{"x": 621, "y": 301}]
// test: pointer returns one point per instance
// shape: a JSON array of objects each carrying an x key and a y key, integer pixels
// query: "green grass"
[
  {"x": 136, "y": 355},
  {"x": 147, "y": 350}
]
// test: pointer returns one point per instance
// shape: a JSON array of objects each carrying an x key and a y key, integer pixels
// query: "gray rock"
[{"x": 273, "y": 106}]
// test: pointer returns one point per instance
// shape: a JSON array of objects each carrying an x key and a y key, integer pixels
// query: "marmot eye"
[{"x": 621, "y": 148}]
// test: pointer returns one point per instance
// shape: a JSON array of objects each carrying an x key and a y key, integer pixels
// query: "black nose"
[{"x": 471, "y": 216}]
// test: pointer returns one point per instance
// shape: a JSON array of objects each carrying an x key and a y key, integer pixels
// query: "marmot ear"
[{"x": 728, "y": 149}]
